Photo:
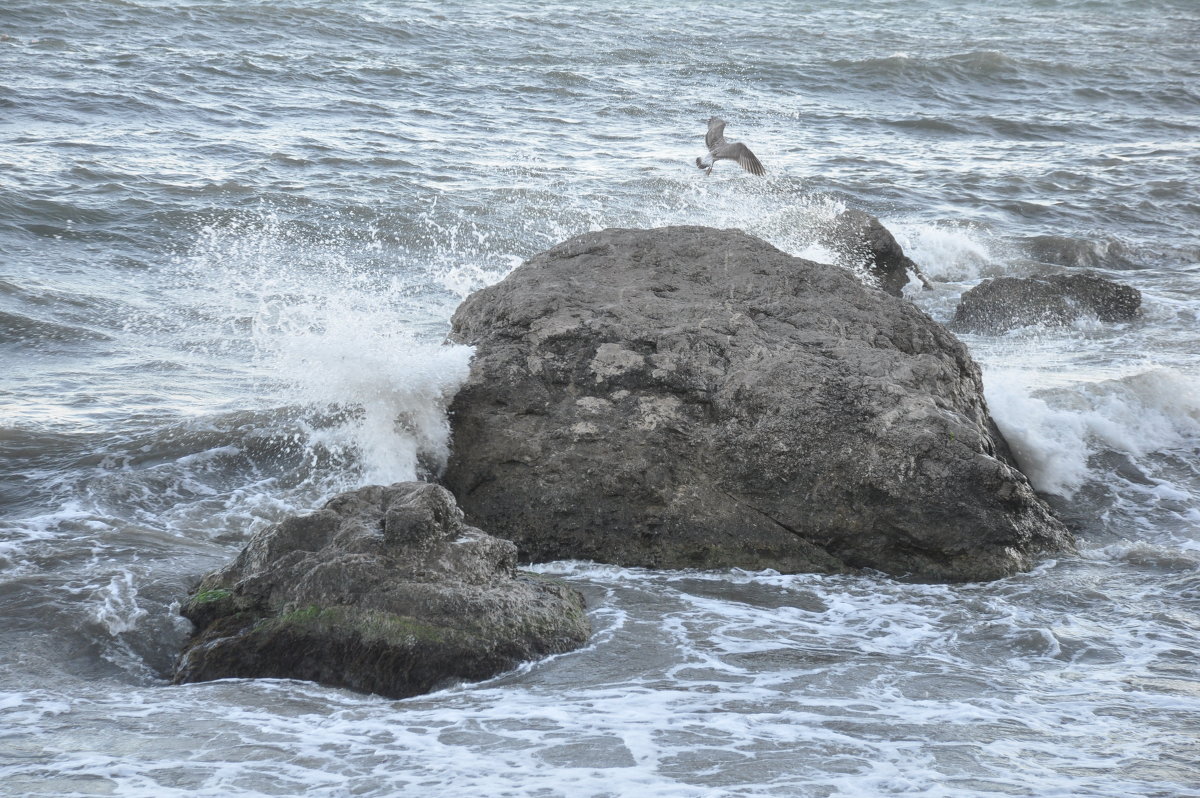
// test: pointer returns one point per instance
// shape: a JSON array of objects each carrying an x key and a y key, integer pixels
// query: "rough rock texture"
[
  {"x": 384, "y": 590},
  {"x": 863, "y": 243},
  {"x": 690, "y": 397},
  {"x": 998, "y": 305}
]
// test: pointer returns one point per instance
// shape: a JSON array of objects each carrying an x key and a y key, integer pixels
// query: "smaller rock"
[
  {"x": 384, "y": 590},
  {"x": 1005, "y": 303},
  {"x": 863, "y": 243}
]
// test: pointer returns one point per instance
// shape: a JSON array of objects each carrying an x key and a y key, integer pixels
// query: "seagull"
[{"x": 719, "y": 148}]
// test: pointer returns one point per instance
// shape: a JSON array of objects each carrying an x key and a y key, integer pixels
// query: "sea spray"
[
  {"x": 957, "y": 253},
  {"x": 1050, "y": 444},
  {"x": 331, "y": 334},
  {"x": 1055, "y": 431},
  {"x": 385, "y": 393}
]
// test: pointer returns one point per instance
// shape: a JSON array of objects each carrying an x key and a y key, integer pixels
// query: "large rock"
[
  {"x": 863, "y": 245},
  {"x": 384, "y": 590},
  {"x": 690, "y": 397},
  {"x": 1005, "y": 303}
]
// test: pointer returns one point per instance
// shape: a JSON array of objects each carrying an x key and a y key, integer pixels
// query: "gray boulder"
[
  {"x": 691, "y": 397},
  {"x": 384, "y": 590},
  {"x": 1005, "y": 303},
  {"x": 862, "y": 244}
]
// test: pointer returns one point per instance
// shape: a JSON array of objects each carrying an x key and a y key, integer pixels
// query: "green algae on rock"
[{"x": 383, "y": 590}]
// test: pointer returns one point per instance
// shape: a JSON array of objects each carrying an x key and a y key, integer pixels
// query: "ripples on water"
[{"x": 231, "y": 236}]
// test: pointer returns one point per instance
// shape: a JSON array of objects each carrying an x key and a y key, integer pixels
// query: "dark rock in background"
[
  {"x": 1005, "y": 303},
  {"x": 861, "y": 242}
]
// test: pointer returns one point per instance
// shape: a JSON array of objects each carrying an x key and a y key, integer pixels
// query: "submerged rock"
[
  {"x": 1078, "y": 253},
  {"x": 384, "y": 590},
  {"x": 691, "y": 397},
  {"x": 1005, "y": 303},
  {"x": 862, "y": 243}
]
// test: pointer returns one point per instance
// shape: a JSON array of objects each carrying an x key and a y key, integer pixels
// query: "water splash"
[
  {"x": 956, "y": 254},
  {"x": 115, "y": 607},
  {"x": 385, "y": 391},
  {"x": 1055, "y": 432},
  {"x": 344, "y": 337}
]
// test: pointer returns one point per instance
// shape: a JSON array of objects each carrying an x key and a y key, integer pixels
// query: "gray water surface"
[{"x": 231, "y": 238}]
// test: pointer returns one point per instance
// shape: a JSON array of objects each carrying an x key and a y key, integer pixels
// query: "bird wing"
[
  {"x": 746, "y": 159},
  {"x": 715, "y": 136}
]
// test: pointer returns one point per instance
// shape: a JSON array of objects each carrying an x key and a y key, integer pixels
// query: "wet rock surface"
[
  {"x": 863, "y": 244},
  {"x": 691, "y": 397},
  {"x": 383, "y": 590},
  {"x": 1006, "y": 303}
]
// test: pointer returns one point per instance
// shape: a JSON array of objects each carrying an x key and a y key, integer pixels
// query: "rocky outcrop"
[
  {"x": 691, "y": 397},
  {"x": 384, "y": 590},
  {"x": 1005, "y": 303},
  {"x": 863, "y": 245}
]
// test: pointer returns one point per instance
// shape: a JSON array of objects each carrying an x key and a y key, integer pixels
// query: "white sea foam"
[
  {"x": 342, "y": 339},
  {"x": 953, "y": 254},
  {"x": 464, "y": 279},
  {"x": 1053, "y": 432},
  {"x": 115, "y": 606},
  {"x": 697, "y": 684},
  {"x": 391, "y": 388}
]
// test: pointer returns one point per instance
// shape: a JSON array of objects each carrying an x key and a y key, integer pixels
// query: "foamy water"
[{"x": 232, "y": 237}]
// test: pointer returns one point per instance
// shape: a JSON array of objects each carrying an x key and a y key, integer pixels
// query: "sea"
[{"x": 232, "y": 235}]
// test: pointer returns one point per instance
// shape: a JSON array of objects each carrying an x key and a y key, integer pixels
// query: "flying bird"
[{"x": 719, "y": 149}]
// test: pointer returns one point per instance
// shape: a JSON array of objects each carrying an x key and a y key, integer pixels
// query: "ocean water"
[{"x": 231, "y": 238}]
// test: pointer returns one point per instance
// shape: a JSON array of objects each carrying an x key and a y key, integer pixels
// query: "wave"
[
  {"x": 694, "y": 681},
  {"x": 1056, "y": 433},
  {"x": 928, "y": 125},
  {"x": 959, "y": 69},
  {"x": 950, "y": 252},
  {"x": 1106, "y": 253},
  {"x": 18, "y": 329}
]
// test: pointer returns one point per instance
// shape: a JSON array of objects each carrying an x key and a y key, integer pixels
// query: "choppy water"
[{"x": 231, "y": 238}]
